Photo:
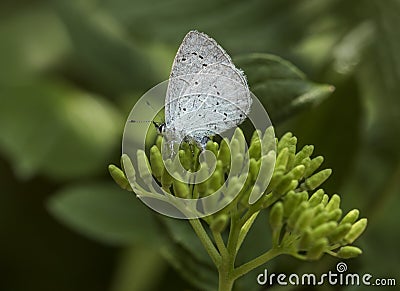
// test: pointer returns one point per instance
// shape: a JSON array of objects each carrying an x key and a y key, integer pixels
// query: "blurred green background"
[{"x": 70, "y": 72}]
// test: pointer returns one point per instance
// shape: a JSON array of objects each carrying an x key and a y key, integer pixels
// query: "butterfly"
[{"x": 206, "y": 93}]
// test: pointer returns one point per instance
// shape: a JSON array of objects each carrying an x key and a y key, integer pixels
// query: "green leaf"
[
  {"x": 202, "y": 276},
  {"x": 104, "y": 212},
  {"x": 182, "y": 233},
  {"x": 187, "y": 255},
  {"x": 136, "y": 269},
  {"x": 281, "y": 87},
  {"x": 103, "y": 58},
  {"x": 53, "y": 129},
  {"x": 32, "y": 40}
]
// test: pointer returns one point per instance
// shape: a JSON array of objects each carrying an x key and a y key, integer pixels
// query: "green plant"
[
  {"x": 305, "y": 222},
  {"x": 102, "y": 212}
]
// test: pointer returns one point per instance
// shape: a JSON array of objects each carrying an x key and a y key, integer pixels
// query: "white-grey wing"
[
  {"x": 197, "y": 53},
  {"x": 216, "y": 101},
  {"x": 206, "y": 95}
]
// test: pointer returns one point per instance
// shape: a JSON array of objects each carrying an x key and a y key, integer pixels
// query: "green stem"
[
  {"x": 225, "y": 281},
  {"x": 206, "y": 241},
  {"x": 247, "y": 267},
  {"x": 220, "y": 243},
  {"x": 225, "y": 269}
]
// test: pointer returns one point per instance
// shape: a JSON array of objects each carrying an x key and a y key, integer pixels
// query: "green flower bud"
[
  {"x": 180, "y": 189},
  {"x": 212, "y": 146},
  {"x": 320, "y": 218},
  {"x": 128, "y": 168},
  {"x": 304, "y": 220},
  {"x": 306, "y": 162},
  {"x": 156, "y": 162},
  {"x": 356, "y": 230},
  {"x": 339, "y": 233},
  {"x": 282, "y": 160},
  {"x": 284, "y": 185},
  {"x": 293, "y": 185},
  {"x": 324, "y": 230},
  {"x": 266, "y": 167},
  {"x": 119, "y": 177},
  {"x": 316, "y": 180},
  {"x": 335, "y": 214},
  {"x": 238, "y": 142},
  {"x": 303, "y": 196},
  {"x": 305, "y": 152},
  {"x": 325, "y": 199},
  {"x": 275, "y": 179},
  {"x": 201, "y": 188},
  {"x": 318, "y": 249},
  {"x": 268, "y": 141},
  {"x": 256, "y": 136},
  {"x": 255, "y": 149},
  {"x": 219, "y": 223},
  {"x": 276, "y": 216},
  {"x": 348, "y": 252},
  {"x": 234, "y": 187},
  {"x": 216, "y": 181},
  {"x": 316, "y": 198},
  {"x": 292, "y": 151},
  {"x": 237, "y": 164},
  {"x": 224, "y": 154},
  {"x": 297, "y": 172},
  {"x": 294, "y": 217},
  {"x": 351, "y": 216},
  {"x": 235, "y": 147},
  {"x": 166, "y": 178},
  {"x": 284, "y": 141},
  {"x": 305, "y": 240},
  {"x": 185, "y": 159},
  {"x": 334, "y": 203},
  {"x": 313, "y": 166},
  {"x": 144, "y": 167},
  {"x": 319, "y": 208},
  {"x": 255, "y": 193},
  {"x": 254, "y": 168},
  {"x": 290, "y": 202}
]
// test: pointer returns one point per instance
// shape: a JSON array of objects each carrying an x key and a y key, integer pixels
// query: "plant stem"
[
  {"x": 247, "y": 267},
  {"x": 206, "y": 241},
  {"x": 220, "y": 243},
  {"x": 226, "y": 281}
]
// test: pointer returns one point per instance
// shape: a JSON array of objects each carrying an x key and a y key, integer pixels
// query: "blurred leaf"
[
  {"x": 137, "y": 267},
  {"x": 203, "y": 276},
  {"x": 187, "y": 255},
  {"x": 378, "y": 78},
  {"x": 182, "y": 233},
  {"x": 31, "y": 41},
  {"x": 341, "y": 138},
  {"x": 104, "y": 212},
  {"x": 103, "y": 58},
  {"x": 281, "y": 87},
  {"x": 52, "y": 129}
]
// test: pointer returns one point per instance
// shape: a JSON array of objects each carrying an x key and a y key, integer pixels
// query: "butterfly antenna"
[{"x": 141, "y": 121}]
